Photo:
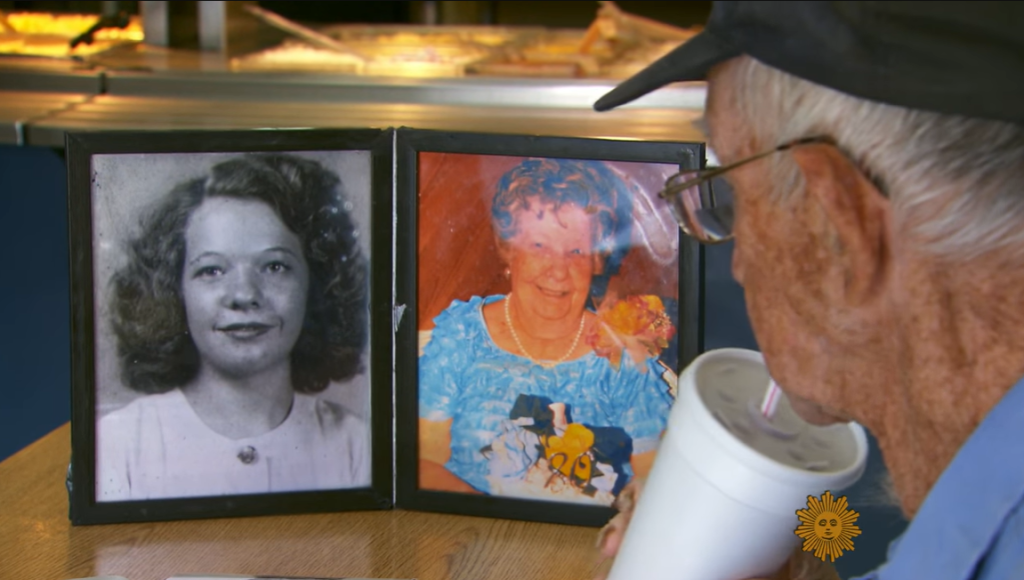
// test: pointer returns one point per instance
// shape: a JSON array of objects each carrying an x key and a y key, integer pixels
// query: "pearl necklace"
[{"x": 547, "y": 363}]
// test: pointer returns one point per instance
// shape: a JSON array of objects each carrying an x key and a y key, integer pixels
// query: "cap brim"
[{"x": 690, "y": 61}]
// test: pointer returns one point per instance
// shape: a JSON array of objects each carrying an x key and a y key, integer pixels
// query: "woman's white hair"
[{"x": 956, "y": 184}]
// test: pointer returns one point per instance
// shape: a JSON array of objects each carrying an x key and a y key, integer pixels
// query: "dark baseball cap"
[{"x": 961, "y": 58}]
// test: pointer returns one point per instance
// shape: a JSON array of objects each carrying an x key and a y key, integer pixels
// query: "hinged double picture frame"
[{"x": 295, "y": 321}]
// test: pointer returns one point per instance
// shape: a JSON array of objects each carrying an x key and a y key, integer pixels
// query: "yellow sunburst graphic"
[{"x": 826, "y": 526}]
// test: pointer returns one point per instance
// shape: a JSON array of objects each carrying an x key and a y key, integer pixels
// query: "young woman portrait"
[{"x": 236, "y": 322}]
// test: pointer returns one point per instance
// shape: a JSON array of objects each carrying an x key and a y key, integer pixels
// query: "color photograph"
[{"x": 548, "y": 316}]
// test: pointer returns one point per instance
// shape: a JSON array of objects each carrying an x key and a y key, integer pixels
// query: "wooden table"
[{"x": 37, "y": 542}]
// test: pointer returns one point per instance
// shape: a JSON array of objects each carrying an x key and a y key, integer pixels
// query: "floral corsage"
[{"x": 637, "y": 325}]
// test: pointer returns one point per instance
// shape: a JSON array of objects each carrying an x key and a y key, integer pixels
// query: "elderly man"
[{"x": 876, "y": 153}]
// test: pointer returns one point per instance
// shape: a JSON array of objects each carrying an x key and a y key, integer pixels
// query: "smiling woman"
[
  {"x": 243, "y": 296},
  {"x": 518, "y": 395},
  {"x": 244, "y": 286}
]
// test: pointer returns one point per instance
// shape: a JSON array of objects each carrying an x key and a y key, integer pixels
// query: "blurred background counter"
[{"x": 512, "y": 67}]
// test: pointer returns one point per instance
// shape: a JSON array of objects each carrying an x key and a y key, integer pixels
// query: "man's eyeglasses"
[{"x": 702, "y": 202}]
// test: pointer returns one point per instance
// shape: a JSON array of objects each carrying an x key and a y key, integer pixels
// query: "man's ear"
[{"x": 857, "y": 213}]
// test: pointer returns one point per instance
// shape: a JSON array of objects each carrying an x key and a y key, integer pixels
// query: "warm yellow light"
[{"x": 44, "y": 34}]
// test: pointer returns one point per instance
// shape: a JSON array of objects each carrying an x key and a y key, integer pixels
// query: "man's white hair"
[{"x": 956, "y": 184}]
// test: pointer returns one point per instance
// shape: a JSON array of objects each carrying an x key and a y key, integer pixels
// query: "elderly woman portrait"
[
  {"x": 517, "y": 397},
  {"x": 242, "y": 296}
]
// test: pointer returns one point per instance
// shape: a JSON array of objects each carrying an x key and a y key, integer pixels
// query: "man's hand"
[
  {"x": 610, "y": 537},
  {"x": 800, "y": 566}
]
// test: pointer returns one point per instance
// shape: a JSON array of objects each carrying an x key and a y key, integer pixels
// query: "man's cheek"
[{"x": 738, "y": 263}]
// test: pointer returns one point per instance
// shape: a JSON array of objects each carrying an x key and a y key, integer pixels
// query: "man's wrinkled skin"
[
  {"x": 610, "y": 536},
  {"x": 855, "y": 320}
]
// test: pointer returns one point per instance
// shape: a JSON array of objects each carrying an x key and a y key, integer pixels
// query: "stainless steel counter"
[
  {"x": 116, "y": 112},
  {"x": 19, "y": 109},
  {"x": 49, "y": 75},
  {"x": 475, "y": 91},
  {"x": 32, "y": 87},
  {"x": 162, "y": 91}
]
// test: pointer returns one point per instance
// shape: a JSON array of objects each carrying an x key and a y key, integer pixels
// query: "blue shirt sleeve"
[
  {"x": 643, "y": 401},
  {"x": 444, "y": 358},
  {"x": 1006, "y": 558}
]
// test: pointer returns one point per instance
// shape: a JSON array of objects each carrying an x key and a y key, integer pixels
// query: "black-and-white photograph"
[{"x": 232, "y": 308}]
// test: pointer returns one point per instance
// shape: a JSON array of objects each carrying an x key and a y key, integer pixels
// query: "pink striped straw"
[{"x": 771, "y": 400}]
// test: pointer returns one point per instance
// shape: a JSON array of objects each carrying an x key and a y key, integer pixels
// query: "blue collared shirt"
[{"x": 971, "y": 525}]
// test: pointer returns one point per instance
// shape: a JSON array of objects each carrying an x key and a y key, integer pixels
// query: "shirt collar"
[{"x": 963, "y": 513}]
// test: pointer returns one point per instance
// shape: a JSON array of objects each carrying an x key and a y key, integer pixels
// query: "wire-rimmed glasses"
[{"x": 702, "y": 202}]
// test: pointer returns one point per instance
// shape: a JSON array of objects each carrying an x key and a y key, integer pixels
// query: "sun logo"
[{"x": 826, "y": 526}]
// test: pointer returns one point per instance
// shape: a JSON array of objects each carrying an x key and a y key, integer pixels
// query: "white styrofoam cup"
[{"x": 713, "y": 508}]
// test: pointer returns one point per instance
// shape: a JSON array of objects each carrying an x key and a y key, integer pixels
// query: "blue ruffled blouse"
[{"x": 466, "y": 377}]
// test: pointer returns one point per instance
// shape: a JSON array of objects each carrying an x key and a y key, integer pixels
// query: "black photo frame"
[
  {"x": 105, "y": 208},
  {"x": 463, "y": 223}
]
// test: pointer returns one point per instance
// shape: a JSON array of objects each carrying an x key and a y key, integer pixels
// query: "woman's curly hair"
[
  {"x": 155, "y": 349},
  {"x": 588, "y": 184}
]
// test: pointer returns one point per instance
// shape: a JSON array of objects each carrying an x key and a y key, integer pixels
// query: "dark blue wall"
[
  {"x": 34, "y": 343},
  {"x": 34, "y": 338}
]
